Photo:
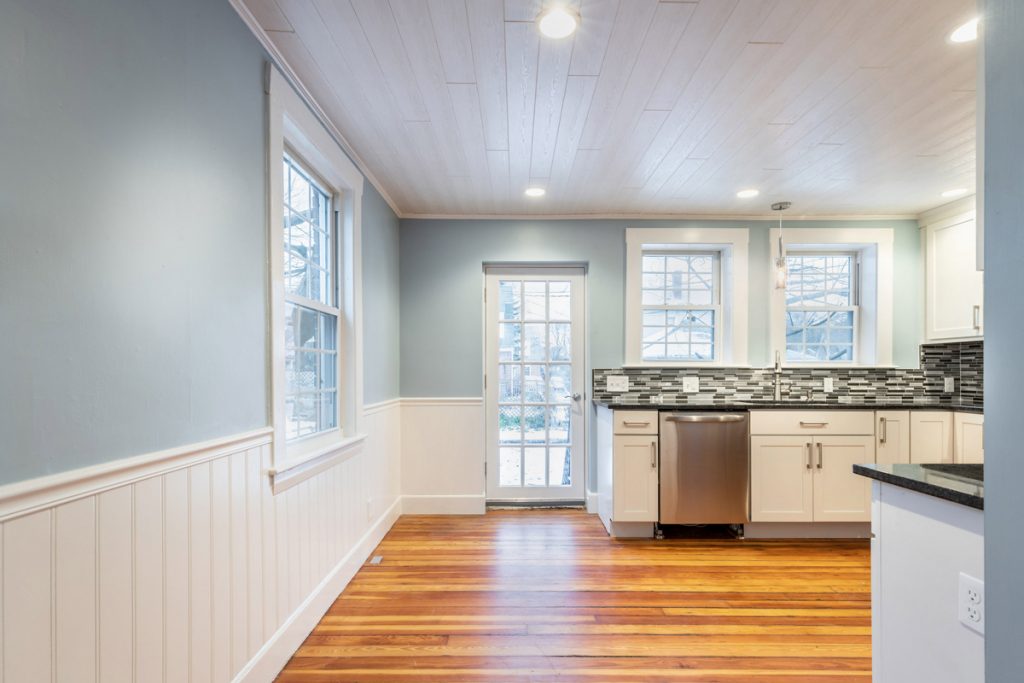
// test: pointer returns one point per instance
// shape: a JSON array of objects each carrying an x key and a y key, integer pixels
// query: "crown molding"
[
  {"x": 296, "y": 83},
  {"x": 658, "y": 216}
]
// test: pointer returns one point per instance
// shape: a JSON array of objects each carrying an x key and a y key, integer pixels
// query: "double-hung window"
[
  {"x": 311, "y": 305},
  {"x": 681, "y": 305},
  {"x": 822, "y": 307}
]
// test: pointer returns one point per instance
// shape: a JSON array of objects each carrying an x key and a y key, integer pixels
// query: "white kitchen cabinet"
[
  {"x": 808, "y": 476},
  {"x": 781, "y": 483},
  {"x": 954, "y": 302},
  {"x": 635, "y": 473},
  {"x": 839, "y": 494},
  {"x": 931, "y": 436},
  {"x": 892, "y": 436},
  {"x": 968, "y": 437}
]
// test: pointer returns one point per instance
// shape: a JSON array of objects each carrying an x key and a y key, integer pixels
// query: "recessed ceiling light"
[
  {"x": 535, "y": 192},
  {"x": 747, "y": 194},
  {"x": 956, "y": 192},
  {"x": 965, "y": 33},
  {"x": 558, "y": 22}
]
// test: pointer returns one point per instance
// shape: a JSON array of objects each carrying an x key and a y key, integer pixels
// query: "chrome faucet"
[{"x": 778, "y": 376}]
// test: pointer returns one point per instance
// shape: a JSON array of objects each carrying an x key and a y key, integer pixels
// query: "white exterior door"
[{"x": 535, "y": 384}]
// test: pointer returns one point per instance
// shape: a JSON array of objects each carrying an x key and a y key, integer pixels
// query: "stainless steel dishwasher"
[{"x": 705, "y": 460}]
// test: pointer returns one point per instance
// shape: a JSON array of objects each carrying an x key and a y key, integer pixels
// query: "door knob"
[{"x": 577, "y": 396}]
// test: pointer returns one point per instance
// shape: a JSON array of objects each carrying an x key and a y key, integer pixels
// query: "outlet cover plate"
[
  {"x": 828, "y": 385},
  {"x": 617, "y": 383},
  {"x": 691, "y": 385},
  {"x": 948, "y": 384},
  {"x": 970, "y": 603}
]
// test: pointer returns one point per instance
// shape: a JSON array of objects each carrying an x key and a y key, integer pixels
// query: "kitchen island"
[{"x": 927, "y": 560}]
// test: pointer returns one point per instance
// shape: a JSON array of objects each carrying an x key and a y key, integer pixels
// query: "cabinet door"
[
  {"x": 892, "y": 436},
  {"x": 839, "y": 494},
  {"x": 931, "y": 436},
  {"x": 635, "y": 479},
  {"x": 781, "y": 479},
  {"x": 968, "y": 436},
  {"x": 953, "y": 285}
]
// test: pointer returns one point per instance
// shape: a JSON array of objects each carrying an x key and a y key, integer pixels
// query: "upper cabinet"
[{"x": 954, "y": 305}]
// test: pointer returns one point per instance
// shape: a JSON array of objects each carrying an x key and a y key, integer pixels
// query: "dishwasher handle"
[{"x": 704, "y": 418}]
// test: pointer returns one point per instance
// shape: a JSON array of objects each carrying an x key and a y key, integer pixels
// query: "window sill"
[
  {"x": 696, "y": 365},
  {"x": 313, "y": 460}
]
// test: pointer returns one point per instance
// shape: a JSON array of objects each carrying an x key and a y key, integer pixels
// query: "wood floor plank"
[{"x": 547, "y": 596}]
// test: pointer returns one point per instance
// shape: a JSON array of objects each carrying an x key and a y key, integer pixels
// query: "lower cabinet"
[
  {"x": 968, "y": 437},
  {"x": 931, "y": 436},
  {"x": 809, "y": 479},
  {"x": 635, "y": 468},
  {"x": 892, "y": 436}
]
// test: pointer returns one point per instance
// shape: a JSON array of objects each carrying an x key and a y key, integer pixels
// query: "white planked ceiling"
[{"x": 844, "y": 107}]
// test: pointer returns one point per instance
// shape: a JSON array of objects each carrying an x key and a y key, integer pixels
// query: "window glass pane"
[
  {"x": 510, "y": 300},
  {"x": 534, "y": 429},
  {"x": 534, "y": 466},
  {"x": 534, "y": 301},
  {"x": 509, "y": 341},
  {"x": 687, "y": 335},
  {"x": 534, "y": 383},
  {"x": 308, "y": 242},
  {"x": 510, "y": 424},
  {"x": 560, "y": 383},
  {"x": 510, "y": 385},
  {"x": 560, "y": 341},
  {"x": 817, "y": 285},
  {"x": 559, "y": 466},
  {"x": 535, "y": 341},
  {"x": 510, "y": 470},
  {"x": 559, "y": 300},
  {"x": 558, "y": 424}
]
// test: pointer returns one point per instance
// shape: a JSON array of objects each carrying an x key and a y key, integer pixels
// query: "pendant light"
[{"x": 780, "y": 260}]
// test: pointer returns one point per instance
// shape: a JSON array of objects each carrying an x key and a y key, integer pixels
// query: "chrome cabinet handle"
[
  {"x": 654, "y": 456},
  {"x": 819, "y": 455},
  {"x": 635, "y": 423},
  {"x": 882, "y": 426},
  {"x": 810, "y": 455},
  {"x": 977, "y": 316},
  {"x": 813, "y": 424}
]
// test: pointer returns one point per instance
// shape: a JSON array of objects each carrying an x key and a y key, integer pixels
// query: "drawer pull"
[
  {"x": 882, "y": 425},
  {"x": 636, "y": 423},
  {"x": 819, "y": 455},
  {"x": 654, "y": 456},
  {"x": 813, "y": 424},
  {"x": 810, "y": 455}
]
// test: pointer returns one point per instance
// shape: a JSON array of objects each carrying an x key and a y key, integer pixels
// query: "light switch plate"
[
  {"x": 617, "y": 383},
  {"x": 691, "y": 385},
  {"x": 948, "y": 384},
  {"x": 828, "y": 385}
]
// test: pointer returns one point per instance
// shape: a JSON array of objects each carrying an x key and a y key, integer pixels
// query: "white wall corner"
[{"x": 592, "y": 502}]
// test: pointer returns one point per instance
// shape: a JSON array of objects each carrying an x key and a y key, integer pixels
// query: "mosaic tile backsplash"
[{"x": 851, "y": 386}]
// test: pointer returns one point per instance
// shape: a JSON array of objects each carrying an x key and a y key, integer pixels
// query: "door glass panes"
[
  {"x": 680, "y": 301},
  {"x": 820, "y": 307},
  {"x": 534, "y": 383}
]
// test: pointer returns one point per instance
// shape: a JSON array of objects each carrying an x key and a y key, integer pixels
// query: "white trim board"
[{"x": 25, "y": 497}]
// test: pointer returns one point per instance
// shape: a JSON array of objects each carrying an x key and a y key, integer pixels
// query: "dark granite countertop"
[
  {"x": 960, "y": 483},
  {"x": 785, "y": 405}
]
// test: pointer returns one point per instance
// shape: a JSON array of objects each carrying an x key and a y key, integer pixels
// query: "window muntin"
[
  {"x": 821, "y": 307},
  {"x": 311, "y": 305},
  {"x": 681, "y": 305}
]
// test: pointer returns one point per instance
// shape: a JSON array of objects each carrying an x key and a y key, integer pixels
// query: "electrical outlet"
[
  {"x": 949, "y": 384},
  {"x": 617, "y": 383},
  {"x": 691, "y": 385},
  {"x": 828, "y": 385},
  {"x": 971, "y": 603}
]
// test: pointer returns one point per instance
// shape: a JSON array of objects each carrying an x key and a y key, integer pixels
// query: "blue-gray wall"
[
  {"x": 442, "y": 267},
  {"x": 1004, "y": 328},
  {"x": 133, "y": 273},
  {"x": 380, "y": 298}
]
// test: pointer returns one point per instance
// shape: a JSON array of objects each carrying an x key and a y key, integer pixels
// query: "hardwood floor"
[{"x": 547, "y": 596}]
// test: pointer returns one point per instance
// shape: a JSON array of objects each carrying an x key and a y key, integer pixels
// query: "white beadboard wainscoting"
[
  {"x": 443, "y": 456},
  {"x": 182, "y": 565}
]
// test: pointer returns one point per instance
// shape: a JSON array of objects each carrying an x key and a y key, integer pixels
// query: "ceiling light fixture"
[
  {"x": 535, "y": 192},
  {"x": 747, "y": 194},
  {"x": 558, "y": 22},
  {"x": 965, "y": 33},
  {"x": 949, "y": 194},
  {"x": 780, "y": 260}
]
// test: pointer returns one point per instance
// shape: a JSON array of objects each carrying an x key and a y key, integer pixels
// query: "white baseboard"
[
  {"x": 444, "y": 505},
  {"x": 592, "y": 502},
  {"x": 276, "y": 652}
]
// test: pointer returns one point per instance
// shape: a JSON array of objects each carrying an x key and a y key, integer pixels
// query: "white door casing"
[{"x": 535, "y": 383}]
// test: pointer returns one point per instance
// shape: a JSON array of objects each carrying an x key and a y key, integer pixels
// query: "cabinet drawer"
[
  {"x": 858, "y": 422},
  {"x": 636, "y": 421}
]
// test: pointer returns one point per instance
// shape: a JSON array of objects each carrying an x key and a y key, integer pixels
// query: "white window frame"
[
  {"x": 874, "y": 249},
  {"x": 732, "y": 246},
  {"x": 295, "y": 130}
]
